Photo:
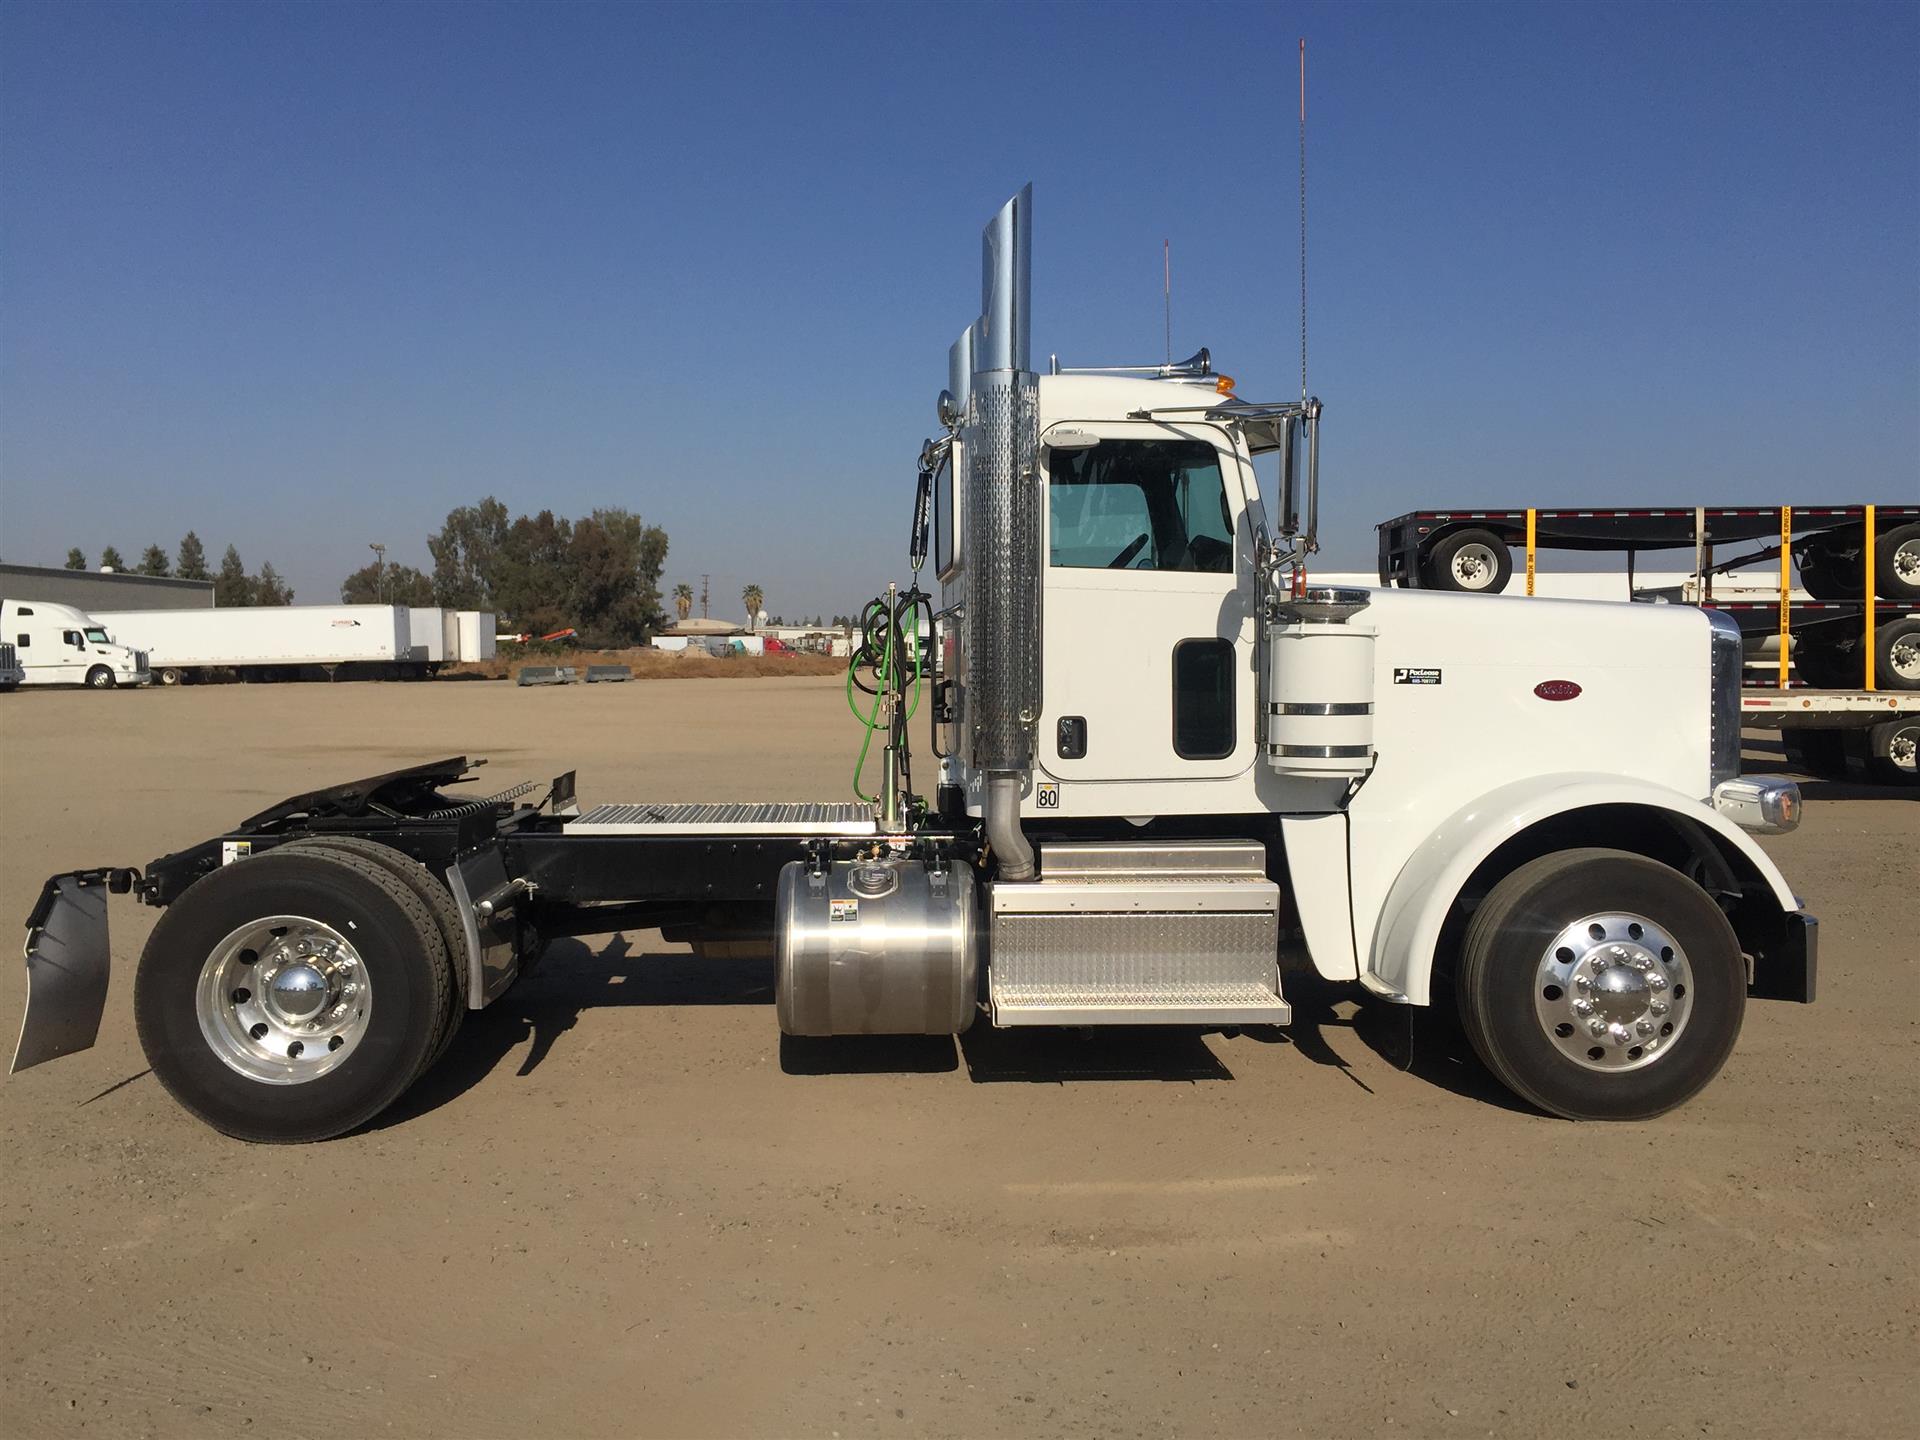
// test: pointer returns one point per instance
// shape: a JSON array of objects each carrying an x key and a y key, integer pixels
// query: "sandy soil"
[{"x": 622, "y": 1207}]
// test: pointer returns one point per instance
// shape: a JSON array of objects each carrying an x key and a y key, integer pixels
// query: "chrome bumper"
[{"x": 1763, "y": 804}]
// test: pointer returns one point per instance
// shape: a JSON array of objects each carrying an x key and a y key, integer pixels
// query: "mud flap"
[{"x": 67, "y": 962}]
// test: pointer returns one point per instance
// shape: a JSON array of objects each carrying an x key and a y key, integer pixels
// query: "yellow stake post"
[
  {"x": 1532, "y": 518},
  {"x": 1786, "y": 585},
  {"x": 1872, "y": 580}
]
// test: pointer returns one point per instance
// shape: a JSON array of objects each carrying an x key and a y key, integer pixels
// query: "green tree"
[
  {"x": 153, "y": 562},
  {"x": 754, "y": 598},
  {"x": 466, "y": 554},
  {"x": 110, "y": 559},
  {"x": 232, "y": 586},
  {"x": 683, "y": 600},
  {"x": 614, "y": 561},
  {"x": 269, "y": 588},
  {"x": 397, "y": 584},
  {"x": 192, "y": 561},
  {"x": 76, "y": 559}
]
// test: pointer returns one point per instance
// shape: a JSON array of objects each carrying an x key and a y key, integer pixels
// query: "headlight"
[{"x": 1723, "y": 703}]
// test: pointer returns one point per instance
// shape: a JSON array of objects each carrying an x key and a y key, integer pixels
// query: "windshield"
[{"x": 97, "y": 635}]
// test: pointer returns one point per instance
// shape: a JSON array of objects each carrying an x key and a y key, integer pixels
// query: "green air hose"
[{"x": 879, "y": 650}]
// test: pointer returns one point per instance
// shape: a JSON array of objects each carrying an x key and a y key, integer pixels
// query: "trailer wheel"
[
  {"x": 291, "y": 997},
  {"x": 1601, "y": 985},
  {"x": 1896, "y": 563},
  {"x": 1832, "y": 571},
  {"x": 1820, "y": 752},
  {"x": 100, "y": 678},
  {"x": 1828, "y": 667},
  {"x": 1476, "y": 561},
  {"x": 1893, "y": 751},
  {"x": 435, "y": 896},
  {"x": 1896, "y": 653}
]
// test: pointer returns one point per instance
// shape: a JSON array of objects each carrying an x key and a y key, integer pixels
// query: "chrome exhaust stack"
[{"x": 1001, "y": 443}]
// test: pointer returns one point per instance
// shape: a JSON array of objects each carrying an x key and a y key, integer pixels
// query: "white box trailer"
[
  {"x": 271, "y": 642},
  {"x": 432, "y": 638},
  {"x": 474, "y": 637}
]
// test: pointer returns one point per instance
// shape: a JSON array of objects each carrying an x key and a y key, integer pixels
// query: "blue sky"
[{"x": 305, "y": 277}]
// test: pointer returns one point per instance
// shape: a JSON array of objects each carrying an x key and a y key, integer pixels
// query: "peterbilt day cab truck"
[
  {"x": 1171, "y": 773},
  {"x": 60, "y": 645}
]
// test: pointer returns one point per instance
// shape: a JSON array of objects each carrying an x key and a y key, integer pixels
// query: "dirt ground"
[{"x": 621, "y": 1207}]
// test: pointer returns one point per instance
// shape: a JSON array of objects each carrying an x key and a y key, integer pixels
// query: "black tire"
[
  {"x": 1896, "y": 563},
  {"x": 1820, "y": 752},
  {"x": 1512, "y": 931},
  {"x": 167, "y": 675},
  {"x": 435, "y": 896},
  {"x": 1893, "y": 751},
  {"x": 1831, "y": 568},
  {"x": 1474, "y": 561},
  {"x": 398, "y": 941},
  {"x": 1828, "y": 667},
  {"x": 1896, "y": 654},
  {"x": 100, "y": 678}
]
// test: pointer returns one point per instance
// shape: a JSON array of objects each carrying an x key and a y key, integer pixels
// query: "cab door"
[{"x": 1147, "y": 616}]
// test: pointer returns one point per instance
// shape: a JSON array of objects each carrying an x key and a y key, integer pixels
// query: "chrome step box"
[{"x": 1138, "y": 934}]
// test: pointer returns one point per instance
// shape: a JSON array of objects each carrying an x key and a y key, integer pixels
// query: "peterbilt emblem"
[{"x": 1557, "y": 690}]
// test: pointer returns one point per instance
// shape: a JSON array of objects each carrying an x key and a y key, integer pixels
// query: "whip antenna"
[
  {"x": 1303, "y": 223},
  {"x": 1166, "y": 283}
]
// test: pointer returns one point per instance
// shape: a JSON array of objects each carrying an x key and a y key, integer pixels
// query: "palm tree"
[
  {"x": 753, "y": 595},
  {"x": 683, "y": 600}
]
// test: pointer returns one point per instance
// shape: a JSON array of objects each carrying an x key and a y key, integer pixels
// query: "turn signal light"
[{"x": 1224, "y": 385}]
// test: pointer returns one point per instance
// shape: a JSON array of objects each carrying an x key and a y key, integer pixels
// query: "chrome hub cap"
[
  {"x": 283, "y": 999},
  {"x": 1906, "y": 562},
  {"x": 1613, "y": 992},
  {"x": 1474, "y": 567},
  {"x": 1904, "y": 750}
]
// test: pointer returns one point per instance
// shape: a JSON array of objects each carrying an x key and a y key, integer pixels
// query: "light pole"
[{"x": 379, "y": 567}]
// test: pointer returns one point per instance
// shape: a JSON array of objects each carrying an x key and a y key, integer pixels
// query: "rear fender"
[{"x": 1401, "y": 957}]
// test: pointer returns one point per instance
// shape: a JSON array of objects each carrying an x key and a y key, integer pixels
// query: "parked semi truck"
[
  {"x": 1172, "y": 773},
  {"x": 272, "y": 642},
  {"x": 60, "y": 645}
]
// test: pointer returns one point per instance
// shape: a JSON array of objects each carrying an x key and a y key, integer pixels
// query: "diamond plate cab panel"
[{"x": 1134, "y": 935}]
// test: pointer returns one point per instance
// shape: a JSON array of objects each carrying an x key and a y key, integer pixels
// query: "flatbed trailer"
[{"x": 1834, "y": 546}]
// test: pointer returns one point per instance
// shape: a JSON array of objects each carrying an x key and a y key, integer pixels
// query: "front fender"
[{"x": 1400, "y": 960}]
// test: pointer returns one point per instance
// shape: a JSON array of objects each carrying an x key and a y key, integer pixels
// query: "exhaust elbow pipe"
[{"x": 1002, "y": 815}]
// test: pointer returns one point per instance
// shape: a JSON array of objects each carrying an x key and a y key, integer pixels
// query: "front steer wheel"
[
  {"x": 292, "y": 996},
  {"x": 1601, "y": 986}
]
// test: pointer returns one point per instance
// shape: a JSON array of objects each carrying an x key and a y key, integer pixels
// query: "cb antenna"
[
  {"x": 1166, "y": 283},
  {"x": 1303, "y": 221}
]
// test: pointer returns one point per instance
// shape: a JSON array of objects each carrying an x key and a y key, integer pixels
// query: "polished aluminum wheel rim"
[
  {"x": 1474, "y": 566},
  {"x": 284, "y": 999},
  {"x": 1904, "y": 749},
  {"x": 1613, "y": 992}
]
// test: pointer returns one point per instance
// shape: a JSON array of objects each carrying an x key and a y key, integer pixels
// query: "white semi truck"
[
  {"x": 272, "y": 642},
  {"x": 61, "y": 645},
  {"x": 1172, "y": 774}
]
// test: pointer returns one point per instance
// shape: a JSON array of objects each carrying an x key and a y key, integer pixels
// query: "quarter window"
[{"x": 1140, "y": 505}]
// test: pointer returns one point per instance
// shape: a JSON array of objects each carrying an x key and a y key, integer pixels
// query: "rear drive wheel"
[
  {"x": 100, "y": 678},
  {"x": 1475, "y": 561},
  {"x": 1601, "y": 985},
  {"x": 1820, "y": 752},
  {"x": 291, "y": 997},
  {"x": 1896, "y": 563},
  {"x": 1896, "y": 654},
  {"x": 167, "y": 675},
  {"x": 1828, "y": 667},
  {"x": 435, "y": 896}
]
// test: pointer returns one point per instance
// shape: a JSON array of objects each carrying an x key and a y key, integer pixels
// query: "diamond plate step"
[{"x": 769, "y": 818}]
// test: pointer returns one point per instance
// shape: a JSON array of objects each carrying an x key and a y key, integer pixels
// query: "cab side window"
[
  {"x": 73, "y": 638},
  {"x": 1140, "y": 505}
]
